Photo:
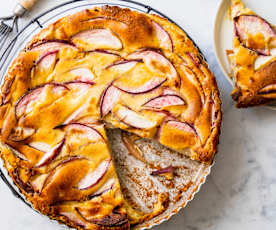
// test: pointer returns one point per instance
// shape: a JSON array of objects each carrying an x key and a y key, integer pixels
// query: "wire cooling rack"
[{"x": 19, "y": 41}]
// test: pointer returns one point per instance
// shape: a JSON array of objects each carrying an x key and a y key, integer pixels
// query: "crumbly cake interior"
[
  {"x": 101, "y": 69},
  {"x": 156, "y": 181},
  {"x": 253, "y": 58}
]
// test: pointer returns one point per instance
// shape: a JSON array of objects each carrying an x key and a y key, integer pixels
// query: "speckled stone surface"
[{"x": 240, "y": 193}]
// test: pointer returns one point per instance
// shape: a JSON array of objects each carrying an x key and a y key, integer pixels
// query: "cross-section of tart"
[
  {"x": 253, "y": 58},
  {"x": 99, "y": 69}
]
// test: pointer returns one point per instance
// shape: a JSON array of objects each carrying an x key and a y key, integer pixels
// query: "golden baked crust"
[
  {"x": 105, "y": 66},
  {"x": 253, "y": 57}
]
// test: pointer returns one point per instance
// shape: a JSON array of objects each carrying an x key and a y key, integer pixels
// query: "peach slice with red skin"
[
  {"x": 77, "y": 113},
  {"x": 25, "y": 186},
  {"x": 33, "y": 95},
  {"x": 79, "y": 85},
  {"x": 47, "y": 60},
  {"x": 163, "y": 36},
  {"x": 253, "y": 25},
  {"x": 108, "y": 99},
  {"x": 133, "y": 119},
  {"x": 168, "y": 169},
  {"x": 59, "y": 169},
  {"x": 105, "y": 188},
  {"x": 162, "y": 101},
  {"x": 113, "y": 220},
  {"x": 90, "y": 132},
  {"x": 83, "y": 74},
  {"x": 149, "y": 86},
  {"x": 182, "y": 126},
  {"x": 123, "y": 66},
  {"x": 98, "y": 39},
  {"x": 166, "y": 172},
  {"x": 156, "y": 62},
  {"x": 23, "y": 102},
  {"x": 52, "y": 46},
  {"x": 177, "y": 134},
  {"x": 50, "y": 155},
  {"x": 94, "y": 177}
]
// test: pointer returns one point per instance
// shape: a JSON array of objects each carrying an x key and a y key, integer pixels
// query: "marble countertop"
[{"x": 240, "y": 193}]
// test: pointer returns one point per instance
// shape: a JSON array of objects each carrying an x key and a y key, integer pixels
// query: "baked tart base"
[{"x": 101, "y": 69}]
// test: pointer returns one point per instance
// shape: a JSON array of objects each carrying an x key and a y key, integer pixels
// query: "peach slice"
[
  {"x": 83, "y": 74},
  {"x": 123, "y": 66},
  {"x": 108, "y": 99},
  {"x": 98, "y": 39},
  {"x": 150, "y": 85},
  {"x": 52, "y": 46},
  {"x": 252, "y": 25},
  {"x": 17, "y": 153},
  {"x": 21, "y": 133},
  {"x": 46, "y": 61},
  {"x": 94, "y": 177},
  {"x": 50, "y": 155},
  {"x": 163, "y": 36},
  {"x": 23, "y": 104},
  {"x": 156, "y": 62},
  {"x": 133, "y": 119},
  {"x": 164, "y": 101}
]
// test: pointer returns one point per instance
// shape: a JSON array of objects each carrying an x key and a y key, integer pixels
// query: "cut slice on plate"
[
  {"x": 97, "y": 39},
  {"x": 252, "y": 57}
]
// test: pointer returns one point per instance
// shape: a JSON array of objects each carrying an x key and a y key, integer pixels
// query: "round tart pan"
[{"x": 139, "y": 187}]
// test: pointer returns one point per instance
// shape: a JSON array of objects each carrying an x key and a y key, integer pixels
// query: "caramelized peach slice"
[
  {"x": 17, "y": 153},
  {"x": 177, "y": 135},
  {"x": 78, "y": 114},
  {"x": 64, "y": 177},
  {"x": 21, "y": 133}
]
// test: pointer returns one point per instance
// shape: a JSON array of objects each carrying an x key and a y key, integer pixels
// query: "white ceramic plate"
[{"x": 223, "y": 30}]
